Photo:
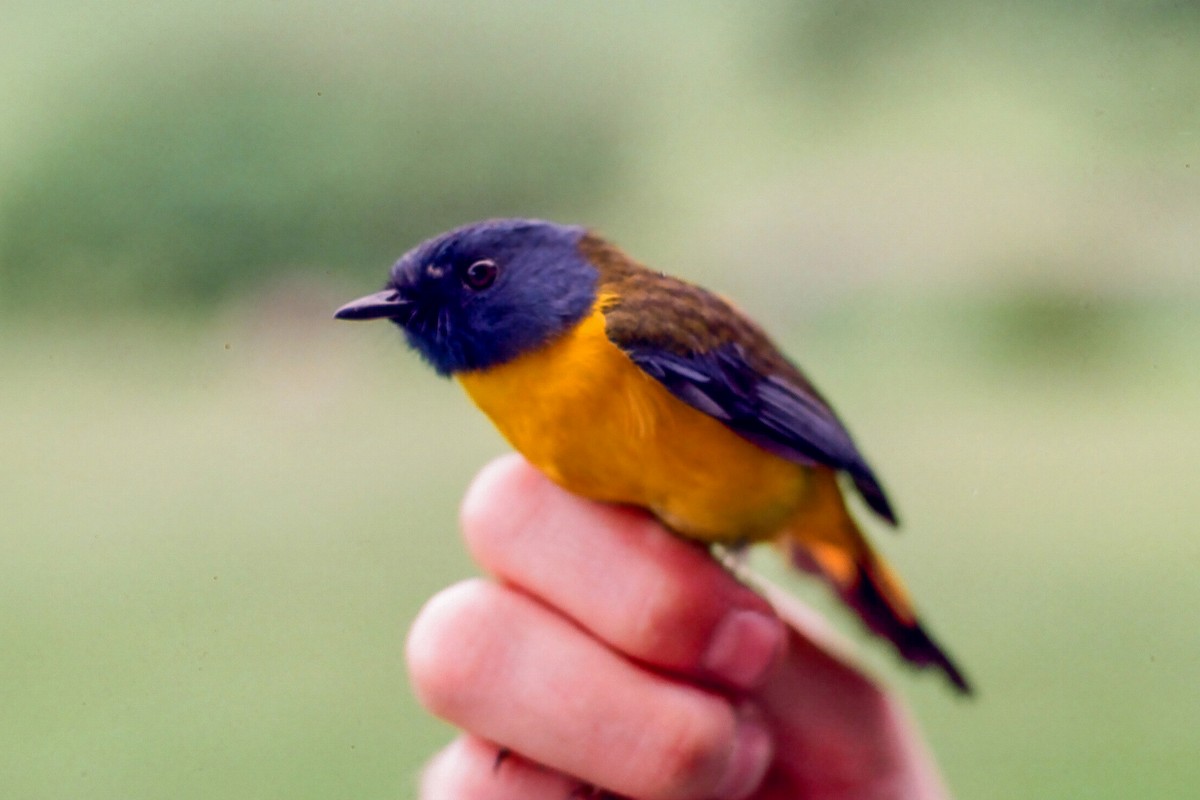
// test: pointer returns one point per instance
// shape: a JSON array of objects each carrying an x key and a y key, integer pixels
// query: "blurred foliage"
[
  {"x": 188, "y": 154},
  {"x": 1063, "y": 332},
  {"x": 208, "y": 177}
]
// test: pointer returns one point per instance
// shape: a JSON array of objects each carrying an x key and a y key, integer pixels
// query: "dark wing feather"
[
  {"x": 718, "y": 361},
  {"x": 768, "y": 410}
]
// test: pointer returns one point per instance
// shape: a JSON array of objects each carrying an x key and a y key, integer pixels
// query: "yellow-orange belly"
[{"x": 582, "y": 412}]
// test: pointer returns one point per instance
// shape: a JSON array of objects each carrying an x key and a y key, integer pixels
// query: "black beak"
[{"x": 386, "y": 304}]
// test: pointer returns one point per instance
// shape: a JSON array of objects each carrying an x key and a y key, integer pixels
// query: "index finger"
[{"x": 620, "y": 575}]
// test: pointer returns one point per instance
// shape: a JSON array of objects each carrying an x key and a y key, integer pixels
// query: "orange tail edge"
[{"x": 866, "y": 584}]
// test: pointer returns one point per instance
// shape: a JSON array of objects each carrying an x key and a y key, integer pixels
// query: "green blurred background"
[{"x": 977, "y": 226}]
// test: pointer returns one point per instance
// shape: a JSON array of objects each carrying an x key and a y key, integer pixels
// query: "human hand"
[{"x": 607, "y": 652}]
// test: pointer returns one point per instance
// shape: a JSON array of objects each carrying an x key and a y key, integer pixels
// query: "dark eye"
[{"x": 480, "y": 275}]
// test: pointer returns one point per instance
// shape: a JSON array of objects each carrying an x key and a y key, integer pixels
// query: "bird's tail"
[{"x": 830, "y": 545}]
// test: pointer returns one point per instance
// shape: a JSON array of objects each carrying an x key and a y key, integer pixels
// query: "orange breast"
[{"x": 592, "y": 421}]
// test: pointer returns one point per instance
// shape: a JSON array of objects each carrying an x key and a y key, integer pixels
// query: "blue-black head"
[{"x": 482, "y": 294}]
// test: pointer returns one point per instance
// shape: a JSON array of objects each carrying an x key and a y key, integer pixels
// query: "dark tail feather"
[{"x": 866, "y": 584}]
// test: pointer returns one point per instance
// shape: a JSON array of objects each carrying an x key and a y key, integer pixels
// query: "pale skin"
[{"x": 603, "y": 651}]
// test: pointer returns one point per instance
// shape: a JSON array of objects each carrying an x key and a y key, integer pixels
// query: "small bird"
[{"x": 625, "y": 385}]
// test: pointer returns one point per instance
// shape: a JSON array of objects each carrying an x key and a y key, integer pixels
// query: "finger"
[
  {"x": 494, "y": 661},
  {"x": 621, "y": 576},
  {"x": 466, "y": 770}
]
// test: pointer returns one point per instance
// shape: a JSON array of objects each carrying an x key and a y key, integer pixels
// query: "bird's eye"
[{"x": 480, "y": 275}]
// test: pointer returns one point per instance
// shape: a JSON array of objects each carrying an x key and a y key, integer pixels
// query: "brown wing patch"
[{"x": 655, "y": 309}]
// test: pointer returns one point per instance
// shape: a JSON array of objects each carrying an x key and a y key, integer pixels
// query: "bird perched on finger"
[{"x": 625, "y": 385}]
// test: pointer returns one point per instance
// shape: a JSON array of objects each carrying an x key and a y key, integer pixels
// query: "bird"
[{"x": 625, "y": 385}]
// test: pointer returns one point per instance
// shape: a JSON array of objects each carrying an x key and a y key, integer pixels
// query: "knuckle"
[
  {"x": 447, "y": 647},
  {"x": 494, "y": 507},
  {"x": 477, "y": 513},
  {"x": 443, "y": 774},
  {"x": 462, "y": 771}
]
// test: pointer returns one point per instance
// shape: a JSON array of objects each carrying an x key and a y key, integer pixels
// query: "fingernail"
[
  {"x": 743, "y": 647},
  {"x": 748, "y": 763}
]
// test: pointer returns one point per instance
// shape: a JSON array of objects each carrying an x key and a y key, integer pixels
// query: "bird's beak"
[{"x": 388, "y": 303}]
